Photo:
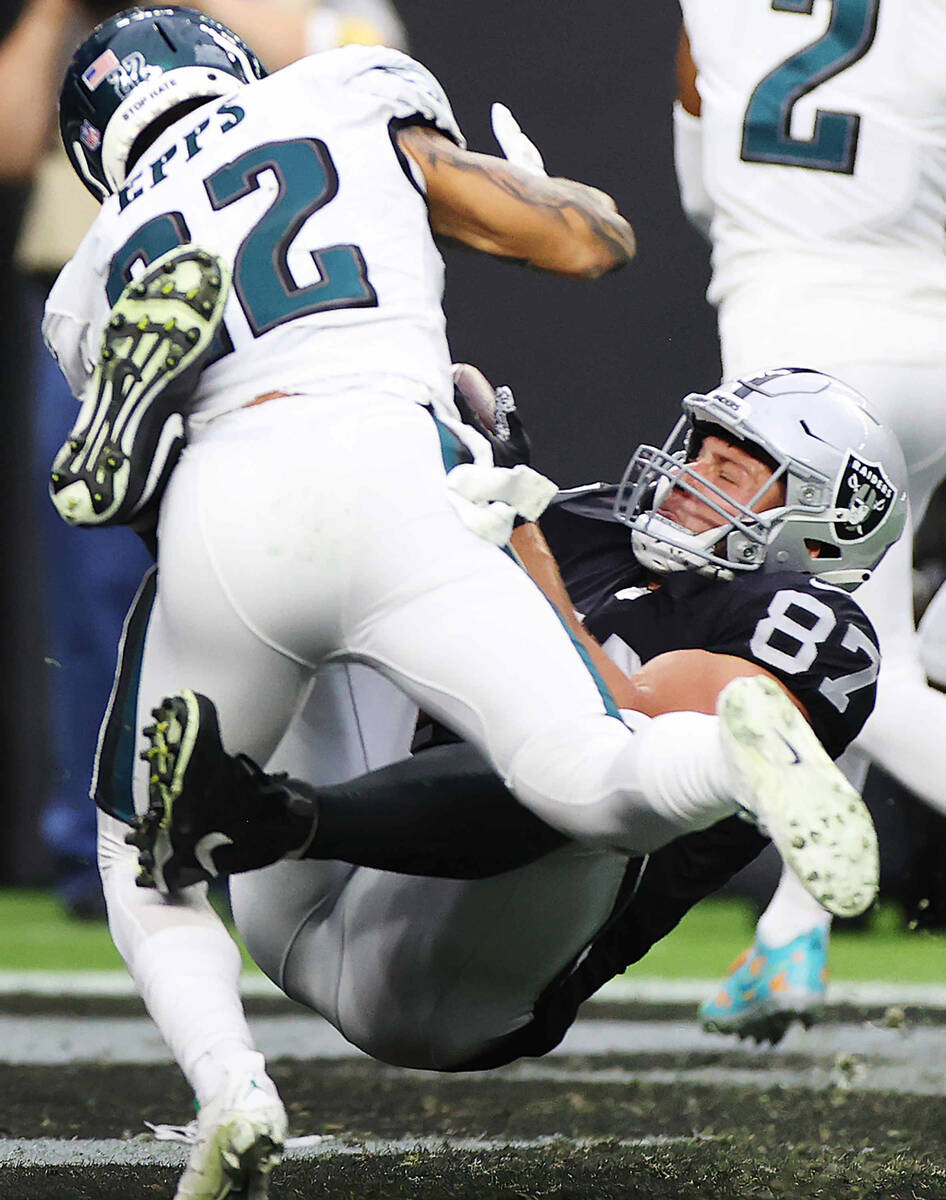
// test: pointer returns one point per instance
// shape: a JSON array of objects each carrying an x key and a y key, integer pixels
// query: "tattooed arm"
[{"x": 553, "y": 224}]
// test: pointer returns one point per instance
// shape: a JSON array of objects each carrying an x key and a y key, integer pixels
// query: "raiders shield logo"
[{"x": 863, "y": 499}]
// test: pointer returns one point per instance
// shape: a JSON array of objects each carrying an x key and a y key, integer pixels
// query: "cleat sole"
[
  {"x": 796, "y": 794},
  {"x": 113, "y": 466},
  {"x": 171, "y": 741}
]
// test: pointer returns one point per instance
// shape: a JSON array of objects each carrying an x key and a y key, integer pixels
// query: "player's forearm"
[
  {"x": 691, "y": 680},
  {"x": 687, "y": 92},
  {"x": 29, "y": 60},
  {"x": 535, "y": 555},
  {"x": 555, "y": 225}
]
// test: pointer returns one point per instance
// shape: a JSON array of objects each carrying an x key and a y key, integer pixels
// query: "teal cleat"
[{"x": 768, "y": 988}]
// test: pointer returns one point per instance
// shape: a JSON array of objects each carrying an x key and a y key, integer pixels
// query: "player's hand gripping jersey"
[
  {"x": 335, "y": 271},
  {"x": 811, "y": 636}
]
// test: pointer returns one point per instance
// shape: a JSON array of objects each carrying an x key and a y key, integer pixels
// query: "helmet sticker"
[
  {"x": 98, "y": 71},
  {"x": 89, "y": 136},
  {"x": 864, "y": 497},
  {"x": 133, "y": 69},
  {"x": 735, "y": 405}
]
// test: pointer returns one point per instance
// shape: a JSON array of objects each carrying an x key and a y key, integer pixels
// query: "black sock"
[{"x": 444, "y": 813}]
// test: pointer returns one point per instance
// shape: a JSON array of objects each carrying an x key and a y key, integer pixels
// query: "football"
[{"x": 478, "y": 392}]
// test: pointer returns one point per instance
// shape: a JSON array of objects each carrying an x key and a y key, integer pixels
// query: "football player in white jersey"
[
  {"x": 309, "y": 519},
  {"x": 810, "y": 147},
  {"x": 464, "y": 975}
]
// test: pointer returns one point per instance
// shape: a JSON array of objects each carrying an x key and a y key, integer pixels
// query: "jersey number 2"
[
  {"x": 766, "y": 131},
  {"x": 306, "y": 181}
]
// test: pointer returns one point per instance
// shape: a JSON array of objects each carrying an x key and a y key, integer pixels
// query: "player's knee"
[{"x": 566, "y": 774}]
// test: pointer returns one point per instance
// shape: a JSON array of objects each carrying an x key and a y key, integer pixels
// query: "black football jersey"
[{"x": 810, "y": 635}]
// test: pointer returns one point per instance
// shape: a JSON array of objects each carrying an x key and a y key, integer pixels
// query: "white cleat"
[
  {"x": 790, "y": 788},
  {"x": 239, "y": 1139}
]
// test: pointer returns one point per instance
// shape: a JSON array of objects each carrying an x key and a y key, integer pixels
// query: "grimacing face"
[{"x": 730, "y": 468}]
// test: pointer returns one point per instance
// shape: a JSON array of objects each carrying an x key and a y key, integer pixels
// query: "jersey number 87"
[{"x": 790, "y": 645}]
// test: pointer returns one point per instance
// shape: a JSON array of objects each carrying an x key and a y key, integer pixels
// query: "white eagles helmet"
[{"x": 843, "y": 471}]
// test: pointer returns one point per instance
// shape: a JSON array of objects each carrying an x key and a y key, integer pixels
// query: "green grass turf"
[
  {"x": 714, "y": 932},
  {"x": 35, "y": 934}
]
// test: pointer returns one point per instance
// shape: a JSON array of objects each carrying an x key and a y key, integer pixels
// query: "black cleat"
[
  {"x": 113, "y": 466},
  {"x": 211, "y": 813}
]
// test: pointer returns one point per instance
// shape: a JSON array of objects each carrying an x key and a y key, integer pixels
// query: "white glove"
[
  {"x": 514, "y": 144},
  {"x": 488, "y": 499}
]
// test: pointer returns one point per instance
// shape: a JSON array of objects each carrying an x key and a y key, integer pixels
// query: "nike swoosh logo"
[
  {"x": 203, "y": 850},
  {"x": 791, "y": 748}
]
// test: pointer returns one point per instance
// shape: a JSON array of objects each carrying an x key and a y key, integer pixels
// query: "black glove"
[{"x": 492, "y": 413}]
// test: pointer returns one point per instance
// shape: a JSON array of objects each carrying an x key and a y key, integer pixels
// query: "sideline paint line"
[
  {"x": 95, "y": 984},
  {"x": 50, "y": 1040},
  {"x": 92, "y": 985},
  {"x": 145, "y": 1151},
  {"x": 875, "y": 993}
]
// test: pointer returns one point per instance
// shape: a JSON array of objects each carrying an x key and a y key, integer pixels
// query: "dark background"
[
  {"x": 596, "y": 366},
  {"x": 19, "y": 673}
]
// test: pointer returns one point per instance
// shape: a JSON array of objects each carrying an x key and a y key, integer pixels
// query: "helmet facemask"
[
  {"x": 739, "y": 541},
  {"x": 844, "y": 501}
]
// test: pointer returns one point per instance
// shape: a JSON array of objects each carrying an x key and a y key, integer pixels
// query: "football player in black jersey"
[{"x": 730, "y": 551}]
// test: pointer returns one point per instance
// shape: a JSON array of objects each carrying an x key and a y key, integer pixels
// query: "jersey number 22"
[{"x": 306, "y": 181}]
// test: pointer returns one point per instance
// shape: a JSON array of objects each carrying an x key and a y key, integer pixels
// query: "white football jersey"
[
  {"x": 824, "y": 158},
  {"x": 297, "y": 181}
]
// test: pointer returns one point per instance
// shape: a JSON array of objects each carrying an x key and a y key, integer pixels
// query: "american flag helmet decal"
[{"x": 99, "y": 70}]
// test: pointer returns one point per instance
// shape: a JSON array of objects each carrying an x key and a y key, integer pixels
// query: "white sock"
[
  {"x": 185, "y": 965},
  {"x": 683, "y": 770},
  {"x": 210, "y": 1072},
  {"x": 633, "y": 792},
  {"x": 791, "y": 912},
  {"x": 189, "y": 979}
]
